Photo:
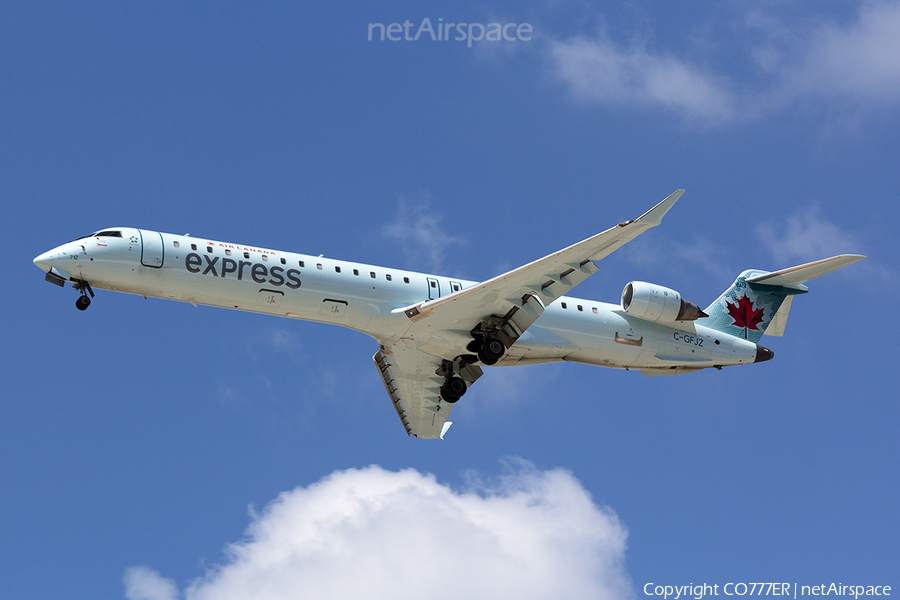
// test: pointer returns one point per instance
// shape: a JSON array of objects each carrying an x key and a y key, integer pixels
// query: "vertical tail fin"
[{"x": 758, "y": 302}]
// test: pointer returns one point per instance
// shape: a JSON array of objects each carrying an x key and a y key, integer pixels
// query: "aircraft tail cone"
[{"x": 763, "y": 354}]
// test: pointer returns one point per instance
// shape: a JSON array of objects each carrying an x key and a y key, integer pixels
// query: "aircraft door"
[
  {"x": 152, "y": 252},
  {"x": 434, "y": 288}
]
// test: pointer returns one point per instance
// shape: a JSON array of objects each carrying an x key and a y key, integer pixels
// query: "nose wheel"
[{"x": 83, "y": 300}]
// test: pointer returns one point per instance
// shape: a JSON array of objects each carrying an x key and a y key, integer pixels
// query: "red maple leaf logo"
[{"x": 744, "y": 314}]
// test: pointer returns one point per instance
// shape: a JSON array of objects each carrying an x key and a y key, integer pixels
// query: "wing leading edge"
[{"x": 520, "y": 296}]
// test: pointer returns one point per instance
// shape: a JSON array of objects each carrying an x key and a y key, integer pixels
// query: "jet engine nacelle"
[{"x": 657, "y": 303}]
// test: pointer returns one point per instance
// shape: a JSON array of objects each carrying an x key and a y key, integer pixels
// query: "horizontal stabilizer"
[{"x": 802, "y": 273}]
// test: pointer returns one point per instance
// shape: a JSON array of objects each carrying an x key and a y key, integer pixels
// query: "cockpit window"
[{"x": 109, "y": 233}]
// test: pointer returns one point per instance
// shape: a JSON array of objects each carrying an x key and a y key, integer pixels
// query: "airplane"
[{"x": 435, "y": 333}]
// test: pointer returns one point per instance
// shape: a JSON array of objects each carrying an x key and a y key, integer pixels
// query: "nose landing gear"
[{"x": 83, "y": 300}]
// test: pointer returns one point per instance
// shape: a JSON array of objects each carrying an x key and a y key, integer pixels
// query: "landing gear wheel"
[
  {"x": 453, "y": 389},
  {"x": 491, "y": 351},
  {"x": 84, "y": 288}
]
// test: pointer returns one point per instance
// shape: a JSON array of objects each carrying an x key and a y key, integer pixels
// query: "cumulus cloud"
[
  {"x": 372, "y": 533},
  {"x": 805, "y": 236},
  {"x": 851, "y": 64},
  {"x": 420, "y": 231},
  {"x": 143, "y": 583}
]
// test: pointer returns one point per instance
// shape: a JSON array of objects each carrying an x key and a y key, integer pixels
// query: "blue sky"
[{"x": 153, "y": 450}]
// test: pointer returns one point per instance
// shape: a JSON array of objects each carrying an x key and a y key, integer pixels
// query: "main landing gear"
[
  {"x": 489, "y": 348},
  {"x": 489, "y": 343},
  {"x": 453, "y": 389},
  {"x": 83, "y": 300},
  {"x": 458, "y": 374}
]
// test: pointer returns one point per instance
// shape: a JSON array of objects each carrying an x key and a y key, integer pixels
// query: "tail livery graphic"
[{"x": 758, "y": 302}]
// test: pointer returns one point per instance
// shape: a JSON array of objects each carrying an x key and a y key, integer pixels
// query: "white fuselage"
[{"x": 370, "y": 299}]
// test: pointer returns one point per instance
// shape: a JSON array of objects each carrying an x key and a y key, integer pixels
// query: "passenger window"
[
  {"x": 455, "y": 287},
  {"x": 356, "y": 271},
  {"x": 337, "y": 269},
  {"x": 265, "y": 258},
  {"x": 406, "y": 280},
  {"x": 580, "y": 309},
  {"x": 283, "y": 261},
  {"x": 301, "y": 263},
  {"x": 387, "y": 276},
  {"x": 246, "y": 255},
  {"x": 564, "y": 305},
  {"x": 319, "y": 266},
  {"x": 209, "y": 248},
  {"x": 434, "y": 284},
  {"x": 193, "y": 246},
  {"x": 227, "y": 252},
  {"x": 595, "y": 310},
  {"x": 176, "y": 244},
  {"x": 372, "y": 274}
]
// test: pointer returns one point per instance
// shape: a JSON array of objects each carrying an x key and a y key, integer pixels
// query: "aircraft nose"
[
  {"x": 763, "y": 354},
  {"x": 45, "y": 260}
]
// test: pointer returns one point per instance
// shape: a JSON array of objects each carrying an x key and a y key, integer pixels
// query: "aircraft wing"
[
  {"x": 413, "y": 364},
  {"x": 519, "y": 297},
  {"x": 410, "y": 378}
]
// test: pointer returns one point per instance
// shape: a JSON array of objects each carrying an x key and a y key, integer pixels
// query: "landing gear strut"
[
  {"x": 458, "y": 374},
  {"x": 83, "y": 300}
]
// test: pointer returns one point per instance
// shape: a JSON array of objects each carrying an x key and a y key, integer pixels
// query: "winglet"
[
  {"x": 446, "y": 426},
  {"x": 654, "y": 215}
]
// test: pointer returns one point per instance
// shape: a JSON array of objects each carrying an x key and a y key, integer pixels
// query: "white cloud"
[
  {"x": 420, "y": 231},
  {"x": 596, "y": 70},
  {"x": 805, "y": 236},
  {"x": 845, "y": 65},
  {"x": 372, "y": 533},
  {"x": 143, "y": 583},
  {"x": 856, "y": 62}
]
